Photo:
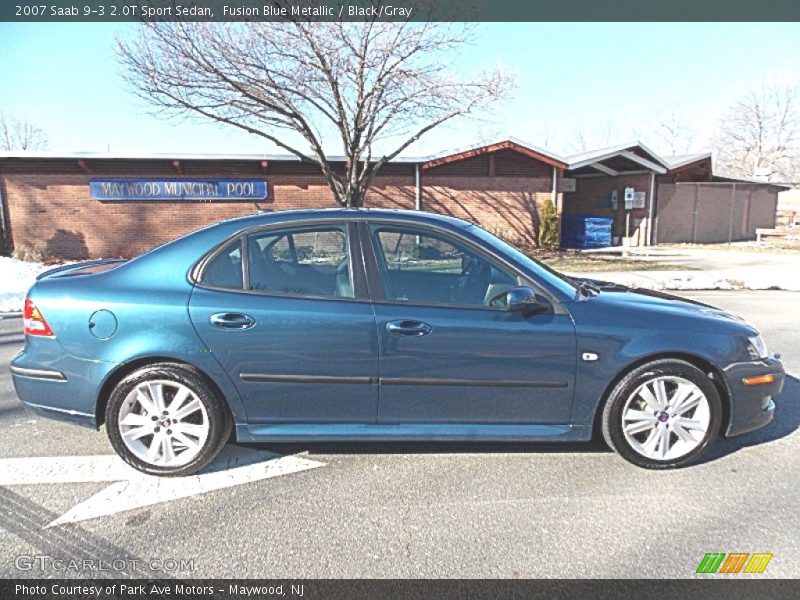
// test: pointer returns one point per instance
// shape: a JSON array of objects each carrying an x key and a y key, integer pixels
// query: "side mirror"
[{"x": 523, "y": 299}]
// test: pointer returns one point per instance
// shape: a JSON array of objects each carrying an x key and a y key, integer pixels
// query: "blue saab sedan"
[{"x": 347, "y": 324}]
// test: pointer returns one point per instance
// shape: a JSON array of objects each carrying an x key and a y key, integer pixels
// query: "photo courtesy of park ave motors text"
[{"x": 307, "y": 300}]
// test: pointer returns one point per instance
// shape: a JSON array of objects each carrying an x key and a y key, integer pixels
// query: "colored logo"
[{"x": 735, "y": 562}]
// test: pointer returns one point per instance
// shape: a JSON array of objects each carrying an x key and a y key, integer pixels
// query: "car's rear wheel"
[
  {"x": 165, "y": 419},
  {"x": 662, "y": 415}
]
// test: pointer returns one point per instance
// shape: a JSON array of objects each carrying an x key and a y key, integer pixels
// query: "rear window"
[{"x": 225, "y": 269}]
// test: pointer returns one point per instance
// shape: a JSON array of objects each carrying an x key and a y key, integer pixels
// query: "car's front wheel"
[
  {"x": 662, "y": 414},
  {"x": 164, "y": 419}
]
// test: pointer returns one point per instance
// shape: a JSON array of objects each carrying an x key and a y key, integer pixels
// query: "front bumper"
[{"x": 752, "y": 406}]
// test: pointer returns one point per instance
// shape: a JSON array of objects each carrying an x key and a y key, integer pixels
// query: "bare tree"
[
  {"x": 671, "y": 135},
  {"x": 297, "y": 83},
  {"x": 601, "y": 134},
  {"x": 16, "y": 134},
  {"x": 760, "y": 135}
]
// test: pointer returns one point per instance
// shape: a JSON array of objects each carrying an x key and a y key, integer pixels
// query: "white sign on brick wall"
[{"x": 628, "y": 196}]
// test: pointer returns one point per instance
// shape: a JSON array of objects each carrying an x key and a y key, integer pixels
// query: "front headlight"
[{"x": 756, "y": 347}]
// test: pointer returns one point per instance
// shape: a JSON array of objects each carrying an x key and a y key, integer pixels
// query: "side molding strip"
[
  {"x": 471, "y": 382},
  {"x": 264, "y": 378},
  {"x": 38, "y": 374},
  {"x": 261, "y": 378}
]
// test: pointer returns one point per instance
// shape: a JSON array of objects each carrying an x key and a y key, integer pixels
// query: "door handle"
[
  {"x": 408, "y": 328},
  {"x": 232, "y": 320}
]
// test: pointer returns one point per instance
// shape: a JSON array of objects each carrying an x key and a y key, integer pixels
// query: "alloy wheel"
[
  {"x": 666, "y": 418},
  {"x": 163, "y": 423}
]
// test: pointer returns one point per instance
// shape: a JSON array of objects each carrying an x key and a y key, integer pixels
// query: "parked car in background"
[{"x": 332, "y": 325}]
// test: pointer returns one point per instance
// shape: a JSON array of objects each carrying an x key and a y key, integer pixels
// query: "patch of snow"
[
  {"x": 16, "y": 278},
  {"x": 742, "y": 279},
  {"x": 697, "y": 282}
]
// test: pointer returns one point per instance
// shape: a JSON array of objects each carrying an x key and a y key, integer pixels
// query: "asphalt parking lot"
[{"x": 378, "y": 510}]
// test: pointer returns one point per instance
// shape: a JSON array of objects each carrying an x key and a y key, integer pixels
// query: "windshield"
[{"x": 558, "y": 280}]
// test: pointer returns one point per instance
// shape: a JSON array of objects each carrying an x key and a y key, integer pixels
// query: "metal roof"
[
  {"x": 34, "y": 154},
  {"x": 685, "y": 159},
  {"x": 572, "y": 162},
  {"x": 589, "y": 156},
  {"x": 507, "y": 144},
  {"x": 78, "y": 155},
  {"x": 478, "y": 146},
  {"x": 596, "y": 157},
  {"x": 725, "y": 178}
]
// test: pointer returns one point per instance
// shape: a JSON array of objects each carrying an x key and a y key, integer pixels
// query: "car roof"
[{"x": 345, "y": 214}]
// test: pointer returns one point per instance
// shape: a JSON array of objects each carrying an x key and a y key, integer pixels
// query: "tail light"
[{"x": 34, "y": 321}]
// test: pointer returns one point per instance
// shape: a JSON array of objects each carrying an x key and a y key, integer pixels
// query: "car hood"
[{"x": 660, "y": 302}]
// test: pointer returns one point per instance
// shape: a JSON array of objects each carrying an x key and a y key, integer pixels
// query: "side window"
[
  {"x": 279, "y": 251},
  {"x": 225, "y": 270},
  {"x": 311, "y": 262},
  {"x": 410, "y": 252},
  {"x": 419, "y": 266}
]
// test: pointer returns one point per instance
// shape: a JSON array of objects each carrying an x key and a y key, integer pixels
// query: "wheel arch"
[
  {"x": 125, "y": 369},
  {"x": 701, "y": 363}
]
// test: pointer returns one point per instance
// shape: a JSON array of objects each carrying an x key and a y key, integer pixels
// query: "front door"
[
  {"x": 449, "y": 351},
  {"x": 293, "y": 329}
]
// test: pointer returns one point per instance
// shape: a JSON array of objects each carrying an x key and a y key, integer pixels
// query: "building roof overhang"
[
  {"x": 426, "y": 162},
  {"x": 722, "y": 178},
  {"x": 617, "y": 160},
  {"x": 681, "y": 163},
  {"x": 170, "y": 156},
  {"x": 623, "y": 159},
  {"x": 514, "y": 145}
]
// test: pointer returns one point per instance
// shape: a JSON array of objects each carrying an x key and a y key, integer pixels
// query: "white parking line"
[
  {"x": 65, "y": 469},
  {"x": 234, "y": 466}
]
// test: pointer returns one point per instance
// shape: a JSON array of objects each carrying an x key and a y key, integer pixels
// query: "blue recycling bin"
[{"x": 585, "y": 231}]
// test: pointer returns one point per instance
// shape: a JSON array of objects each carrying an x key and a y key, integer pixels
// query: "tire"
[
  {"x": 172, "y": 432},
  {"x": 645, "y": 430}
]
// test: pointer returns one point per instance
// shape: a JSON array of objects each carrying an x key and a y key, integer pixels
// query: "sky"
[{"x": 613, "y": 82}]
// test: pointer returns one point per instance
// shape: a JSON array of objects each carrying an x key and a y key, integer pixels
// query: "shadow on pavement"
[
  {"x": 594, "y": 446},
  {"x": 13, "y": 411}
]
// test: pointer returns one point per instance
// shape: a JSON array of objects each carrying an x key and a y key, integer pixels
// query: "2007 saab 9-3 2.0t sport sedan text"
[{"x": 351, "y": 324}]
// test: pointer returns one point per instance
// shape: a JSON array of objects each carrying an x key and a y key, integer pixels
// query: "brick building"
[
  {"x": 65, "y": 205},
  {"x": 681, "y": 199}
]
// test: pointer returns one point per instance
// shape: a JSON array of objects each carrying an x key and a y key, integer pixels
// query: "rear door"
[
  {"x": 285, "y": 312},
  {"x": 450, "y": 351}
]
